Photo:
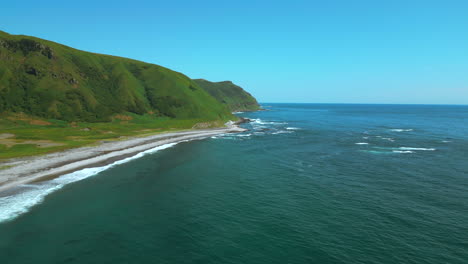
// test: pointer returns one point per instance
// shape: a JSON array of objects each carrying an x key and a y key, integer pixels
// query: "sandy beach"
[{"x": 37, "y": 168}]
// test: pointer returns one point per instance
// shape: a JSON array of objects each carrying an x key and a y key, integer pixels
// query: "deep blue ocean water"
[{"x": 309, "y": 183}]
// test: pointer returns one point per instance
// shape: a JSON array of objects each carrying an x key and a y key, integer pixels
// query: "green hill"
[
  {"x": 49, "y": 80},
  {"x": 53, "y": 97},
  {"x": 236, "y": 98}
]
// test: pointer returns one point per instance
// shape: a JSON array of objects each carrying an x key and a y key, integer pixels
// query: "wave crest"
[{"x": 30, "y": 195}]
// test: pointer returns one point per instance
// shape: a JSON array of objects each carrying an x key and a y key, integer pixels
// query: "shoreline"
[{"x": 47, "y": 167}]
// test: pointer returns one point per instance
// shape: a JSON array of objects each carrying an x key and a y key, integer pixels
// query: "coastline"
[{"x": 53, "y": 165}]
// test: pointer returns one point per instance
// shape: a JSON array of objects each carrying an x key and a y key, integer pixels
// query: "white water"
[
  {"x": 19, "y": 203},
  {"x": 422, "y": 149},
  {"x": 401, "y": 130}
]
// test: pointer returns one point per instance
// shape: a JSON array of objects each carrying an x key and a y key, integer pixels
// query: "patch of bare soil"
[
  {"x": 32, "y": 121},
  {"x": 123, "y": 117},
  {"x": 9, "y": 141},
  {"x": 6, "y": 135}
]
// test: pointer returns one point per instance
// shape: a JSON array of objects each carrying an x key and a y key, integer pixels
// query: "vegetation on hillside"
[
  {"x": 236, "y": 98},
  {"x": 49, "y": 80},
  {"x": 53, "y": 97}
]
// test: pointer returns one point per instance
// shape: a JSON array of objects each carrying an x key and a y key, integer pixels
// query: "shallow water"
[{"x": 309, "y": 183}]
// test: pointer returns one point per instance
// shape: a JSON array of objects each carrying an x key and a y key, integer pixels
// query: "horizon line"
[{"x": 433, "y": 104}]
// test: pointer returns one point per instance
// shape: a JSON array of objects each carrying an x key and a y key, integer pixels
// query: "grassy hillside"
[
  {"x": 49, "y": 80},
  {"x": 236, "y": 98},
  {"x": 54, "y": 97}
]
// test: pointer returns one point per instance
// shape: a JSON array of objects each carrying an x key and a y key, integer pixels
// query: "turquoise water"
[{"x": 309, "y": 183}]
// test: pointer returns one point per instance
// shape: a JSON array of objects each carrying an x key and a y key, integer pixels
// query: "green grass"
[
  {"x": 49, "y": 80},
  {"x": 5, "y": 167},
  {"x": 52, "y": 92},
  {"x": 80, "y": 134}
]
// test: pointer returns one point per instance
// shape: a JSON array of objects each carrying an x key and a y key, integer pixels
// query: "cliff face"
[
  {"x": 229, "y": 94},
  {"x": 49, "y": 80}
]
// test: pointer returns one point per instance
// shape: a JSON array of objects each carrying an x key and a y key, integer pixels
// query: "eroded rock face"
[
  {"x": 201, "y": 125},
  {"x": 46, "y": 51},
  {"x": 27, "y": 46},
  {"x": 32, "y": 71},
  {"x": 243, "y": 120},
  {"x": 230, "y": 123}
]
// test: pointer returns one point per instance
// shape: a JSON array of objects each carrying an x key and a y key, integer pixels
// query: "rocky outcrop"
[
  {"x": 73, "y": 81},
  {"x": 27, "y": 46},
  {"x": 243, "y": 120},
  {"x": 32, "y": 71}
]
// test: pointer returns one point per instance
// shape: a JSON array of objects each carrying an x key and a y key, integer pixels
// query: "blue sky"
[{"x": 280, "y": 51}]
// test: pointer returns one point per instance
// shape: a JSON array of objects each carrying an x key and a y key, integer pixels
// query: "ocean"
[{"x": 308, "y": 183}]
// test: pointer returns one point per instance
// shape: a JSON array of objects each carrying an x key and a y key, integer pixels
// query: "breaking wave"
[
  {"x": 29, "y": 195},
  {"x": 401, "y": 130}
]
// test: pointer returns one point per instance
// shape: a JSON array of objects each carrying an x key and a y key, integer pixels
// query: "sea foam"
[
  {"x": 243, "y": 135},
  {"x": 422, "y": 149},
  {"x": 401, "y": 130},
  {"x": 263, "y": 122},
  {"x": 281, "y": 132},
  {"x": 32, "y": 194}
]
